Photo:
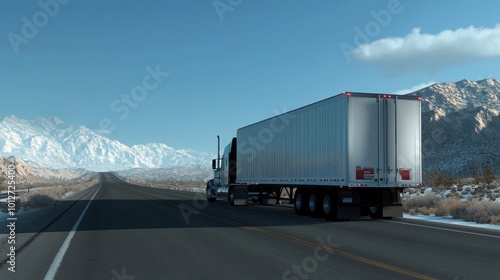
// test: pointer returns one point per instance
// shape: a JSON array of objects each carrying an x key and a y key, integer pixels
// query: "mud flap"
[
  {"x": 348, "y": 212},
  {"x": 393, "y": 211},
  {"x": 240, "y": 195}
]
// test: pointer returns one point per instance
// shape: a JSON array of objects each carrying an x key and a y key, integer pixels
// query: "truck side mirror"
[{"x": 214, "y": 164}]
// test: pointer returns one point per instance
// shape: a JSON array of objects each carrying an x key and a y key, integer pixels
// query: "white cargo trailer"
[{"x": 342, "y": 157}]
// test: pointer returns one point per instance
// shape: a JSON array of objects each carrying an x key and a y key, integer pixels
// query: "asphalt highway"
[{"x": 116, "y": 230}]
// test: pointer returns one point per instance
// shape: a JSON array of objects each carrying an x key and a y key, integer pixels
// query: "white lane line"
[
  {"x": 62, "y": 251},
  {"x": 446, "y": 229}
]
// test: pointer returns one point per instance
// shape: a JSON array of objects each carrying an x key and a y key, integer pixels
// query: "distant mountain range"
[
  {"x": 51, "y": 143},
  {"x": 169, "y": 174},
  {"x": 461, "y": 126}
]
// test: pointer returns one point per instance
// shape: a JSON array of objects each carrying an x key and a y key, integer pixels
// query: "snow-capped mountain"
[
  {"x": 161, "y": 155},
  {"x": 461, "y": 125},
  {"x": 55, "y": 144}
]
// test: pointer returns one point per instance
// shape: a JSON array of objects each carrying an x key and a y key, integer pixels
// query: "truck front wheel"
[
  {"x": 208, "y": 192},
  {"x": 209, "y": 195}
]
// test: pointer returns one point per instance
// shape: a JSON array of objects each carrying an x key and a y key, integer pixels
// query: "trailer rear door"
[
  {"x": 384, "y": 140},
  {"x": 408, "y": 168}
]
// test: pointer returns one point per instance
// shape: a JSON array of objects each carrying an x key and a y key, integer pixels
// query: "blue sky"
[{"x": 181, "y": 72}]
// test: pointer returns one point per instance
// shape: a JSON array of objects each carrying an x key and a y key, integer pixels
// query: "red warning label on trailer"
[
  {"x": 405, "y": 173},
  {"x": 365, "y": 173}
]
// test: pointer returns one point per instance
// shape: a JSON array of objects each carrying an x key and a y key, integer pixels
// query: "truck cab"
[{"x": 224, "y": 173}]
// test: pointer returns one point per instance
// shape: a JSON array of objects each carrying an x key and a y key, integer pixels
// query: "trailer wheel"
[
  {"x": 300, "y": 202},
  {"x": 375, "y": 212},
  {"x": 208, "y": 192},
  {"x": 230, "y": 196},
  {"x": 315, "y": 209},
  {"x": 330, "y": 207}
]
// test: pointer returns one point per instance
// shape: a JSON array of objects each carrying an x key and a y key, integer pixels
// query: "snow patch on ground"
[
  {"x": 449, "y": 220},
  {"x": 68, "y": 195},
  {"x": 193, "y": 189}
]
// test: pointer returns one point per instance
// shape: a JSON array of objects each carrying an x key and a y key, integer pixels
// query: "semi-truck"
[{"x": 347, "y": 156}]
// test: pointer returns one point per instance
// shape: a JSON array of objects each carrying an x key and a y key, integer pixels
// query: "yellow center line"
[
  {"x": 307, "y": 243},
  {"x": 315, "y": 245}
]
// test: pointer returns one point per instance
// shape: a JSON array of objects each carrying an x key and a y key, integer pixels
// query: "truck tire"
[
  {"x": 330, "y": 207},
  {"x": 375, "y": 212},
  {"x": 230, "y": 196},
  {"x": 300, "y": 202},
  {"x": 208, "y": 193},
  {"x": 315, "y": 204}
]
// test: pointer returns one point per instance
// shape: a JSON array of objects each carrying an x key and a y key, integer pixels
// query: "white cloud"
[
  {"x": 428, "y": 52},
  {"x": 413, "y": 88}
]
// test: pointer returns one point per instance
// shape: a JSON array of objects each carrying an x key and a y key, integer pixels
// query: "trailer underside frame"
[{"x": 332, "y": 202}]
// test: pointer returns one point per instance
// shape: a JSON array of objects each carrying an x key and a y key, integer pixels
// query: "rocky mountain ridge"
[{"x": 461, "y": 126}]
